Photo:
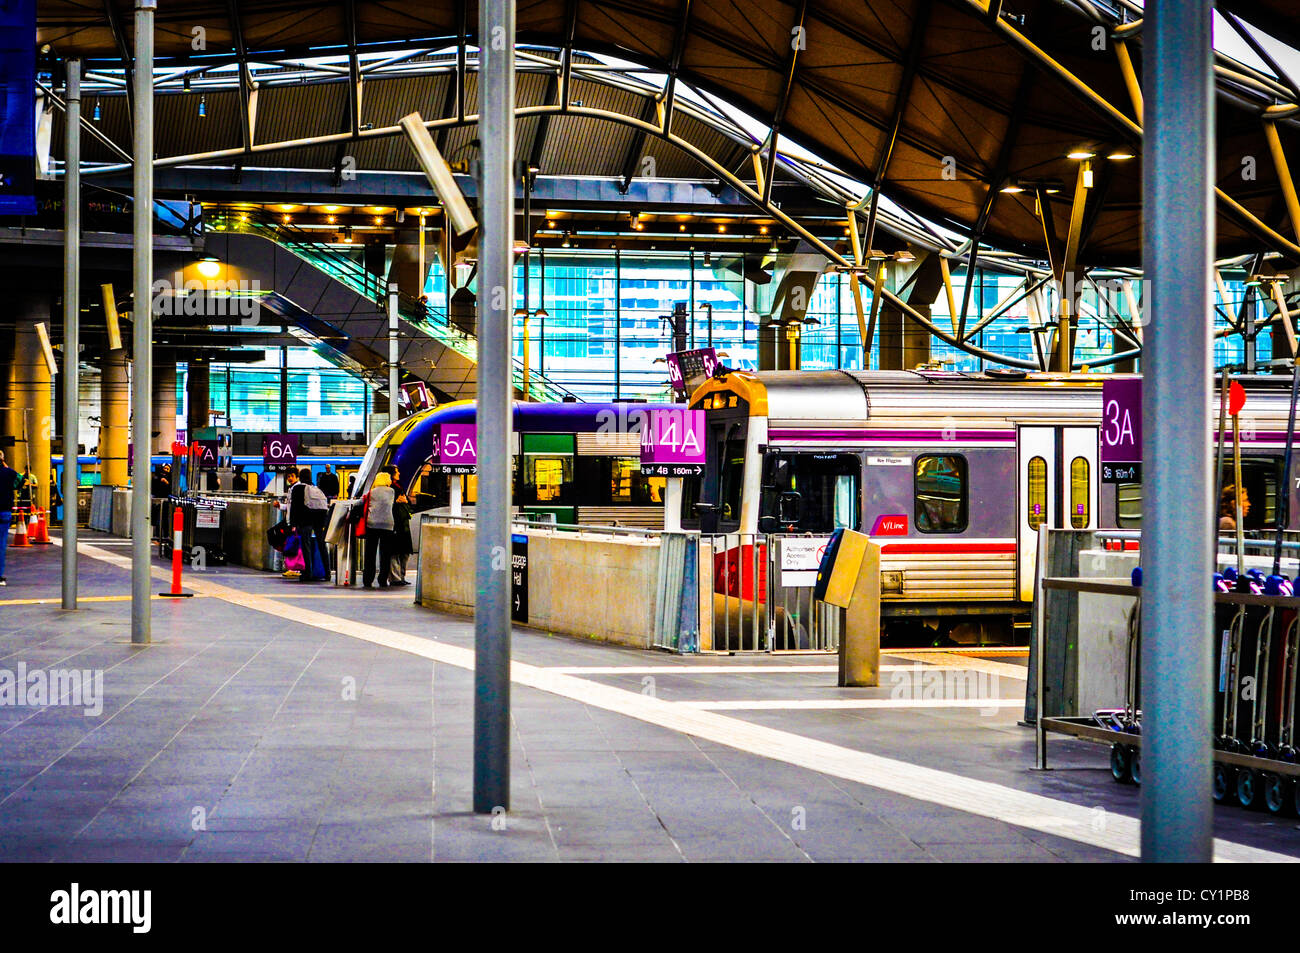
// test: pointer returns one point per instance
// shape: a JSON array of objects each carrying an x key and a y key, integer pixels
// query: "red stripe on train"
[{"x": 902, "y": 549}]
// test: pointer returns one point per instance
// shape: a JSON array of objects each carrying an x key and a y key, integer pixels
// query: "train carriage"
[
  {"x": 572, "y": 462},
  {"x": 951, "y": 473}
]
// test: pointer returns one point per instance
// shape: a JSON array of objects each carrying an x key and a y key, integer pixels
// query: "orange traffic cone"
[
  {"x": 41, "y": 534},
  {"x": 20, "y": 531}
]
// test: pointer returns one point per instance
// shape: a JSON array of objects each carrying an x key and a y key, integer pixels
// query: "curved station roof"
[{"x": 966, "y": 114}]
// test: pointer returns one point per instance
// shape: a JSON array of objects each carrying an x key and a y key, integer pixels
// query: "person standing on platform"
[
  {"x": 401, "y": 531},
  {"x": 9, "y": 481},
  {"x": 302, "y": 519},
  {"x": 379, "y": 530},
  {"x": 328, "y": 482}
]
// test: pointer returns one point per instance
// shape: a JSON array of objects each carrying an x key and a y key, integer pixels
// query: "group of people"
[
  {"x": 11, "y": 481},
  {"x": 308, "y": 513},
  {"x": 384, "y": 523},
  {"x": 381, "y": 518}
]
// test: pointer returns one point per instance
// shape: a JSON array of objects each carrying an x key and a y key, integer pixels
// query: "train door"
[{"x": 1056, "y": 486}]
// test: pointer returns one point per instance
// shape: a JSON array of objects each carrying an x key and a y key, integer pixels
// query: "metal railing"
[
  {"x": 433, "y": 322},
  {"x": 735, "y": 579},
  {"x": 752, "y": 610}
]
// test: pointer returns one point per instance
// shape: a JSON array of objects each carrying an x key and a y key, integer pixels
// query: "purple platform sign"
[
  {"x": 1121, "y": 431},
  {"x": 279, "y": 452},
  {"x": 455, "y": 448},
  {"x": 672, "y": 443},
  {"x": 688, "y": 369}
]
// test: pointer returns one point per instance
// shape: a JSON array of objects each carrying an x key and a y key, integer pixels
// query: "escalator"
[{"x": 337, "y": 307}]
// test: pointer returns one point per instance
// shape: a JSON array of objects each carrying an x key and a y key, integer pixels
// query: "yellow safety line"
[
  {"x": 1000, "y": 653},
  {"x": 80, "y": 599},
  {"x": 1012, "y": 806},
  {"x": 966, "y": 663}
]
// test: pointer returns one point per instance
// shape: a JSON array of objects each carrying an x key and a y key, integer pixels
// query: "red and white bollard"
[{"x": 178, "y": 554}]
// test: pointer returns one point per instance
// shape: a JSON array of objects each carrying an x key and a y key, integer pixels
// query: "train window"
[
  {"x": 1036, "y": 512},
  {"x": 733, "y": 479},
  {"x": 941, "y": 492},
  {"x": 1079, "y": 493},
  {"x": 1260, "y": 476},
  {"x": 549, "y": 475},
  {"x": 629, "y": 486},
  {"x": 1128, "y": 505},
  {"x": 690, "y": 497},
  {"x": 822, "y": 488}
]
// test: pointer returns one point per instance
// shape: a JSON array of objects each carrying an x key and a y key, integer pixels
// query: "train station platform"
[{"x": 277, "y": 721}]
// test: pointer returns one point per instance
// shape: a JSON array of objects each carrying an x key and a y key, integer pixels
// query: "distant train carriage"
[
  {"x": 573, "y": 462},
  {"x": 951, "y": 473}
]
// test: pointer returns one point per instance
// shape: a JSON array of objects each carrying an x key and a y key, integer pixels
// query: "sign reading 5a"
[{"x": 455, "y": 448}]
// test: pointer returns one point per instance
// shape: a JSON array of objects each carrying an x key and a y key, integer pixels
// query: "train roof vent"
[{"x": 1006, "y": 373}]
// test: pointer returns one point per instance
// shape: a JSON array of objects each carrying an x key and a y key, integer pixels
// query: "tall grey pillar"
[
  {"x": 142, "y": 337},
  {"x": 1177, "y": 541},
  {"x": 164, "y": 404},
  {"x": 71, "y": 428},
  {"x": 496, "y": 92},
  {"x": 198, "y": 395}
]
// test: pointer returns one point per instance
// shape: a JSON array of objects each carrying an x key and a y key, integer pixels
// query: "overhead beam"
[
  {"x": 354, "y": 68},
  {"x": 1283, "y": 170},
  {"x": 1068, "y": 285},
  {"x": 635, "y": 148},
  {"x": 116, "y": 27},
  {"x": 543, "y": 129},
  {"x": 245, "y": 77},
  {"x": 566, "y": 53},
  {"x": 1001, "y": 169},
  {"x": 798, "y": 40},
  {"x": 675, "y": 63}
]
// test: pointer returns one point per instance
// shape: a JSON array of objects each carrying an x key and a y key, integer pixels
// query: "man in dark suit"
[{"x": 328, "y": 482}]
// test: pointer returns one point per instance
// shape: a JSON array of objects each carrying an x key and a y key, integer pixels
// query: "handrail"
[
  {"x": 434, "y": 322},
  {"x": 1226, "y": 541},
  {"x": 580, "y": 528}
]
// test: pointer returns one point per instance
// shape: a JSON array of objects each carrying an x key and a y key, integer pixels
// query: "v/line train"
[
  {"x": 951, "y": 473},
  {"x": 573, "y": 463}
]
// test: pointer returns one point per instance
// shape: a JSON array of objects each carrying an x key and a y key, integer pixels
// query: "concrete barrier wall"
[
  {"x": 244, "y": 528},
  {"x": 598, "y": 587},
  {"x": 121, "y": 511}
]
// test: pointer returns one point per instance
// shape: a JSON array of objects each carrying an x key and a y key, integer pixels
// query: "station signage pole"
[
  {"x": 71, "y": 326},
  {"x": 142, "y": 338},
  {"x": 1178, "y": 512},
  {"x": 492, "y": 545},
  {"x": 394, "y": 372}
]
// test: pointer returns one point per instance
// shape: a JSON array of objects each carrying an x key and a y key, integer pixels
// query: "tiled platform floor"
[{"x": 246, "y": 735}]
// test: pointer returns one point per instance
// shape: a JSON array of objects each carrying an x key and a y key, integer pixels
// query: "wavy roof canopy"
[{"x": 940, "y": 102}]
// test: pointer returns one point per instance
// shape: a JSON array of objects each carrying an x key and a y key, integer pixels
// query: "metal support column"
[
  {"x": 496, "y": 94},
  {"x": 71, "y": 327},
  {"x": 393, "y": 374},
  {"x": 1177, "y": 619},
  {"x": 284, "y": 390},
  {"x": 618, "y": 321},
  {"x": 142, "y": 338}
]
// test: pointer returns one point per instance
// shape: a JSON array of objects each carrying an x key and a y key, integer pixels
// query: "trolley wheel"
[
  {"x": 1249, "y": 788},
  {"x": 1278, "y": 797},
  {"x": 1120, "y": 763},
  {"x": 1223, "y": 783},
  {"x": 1135, "y": 765}
]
